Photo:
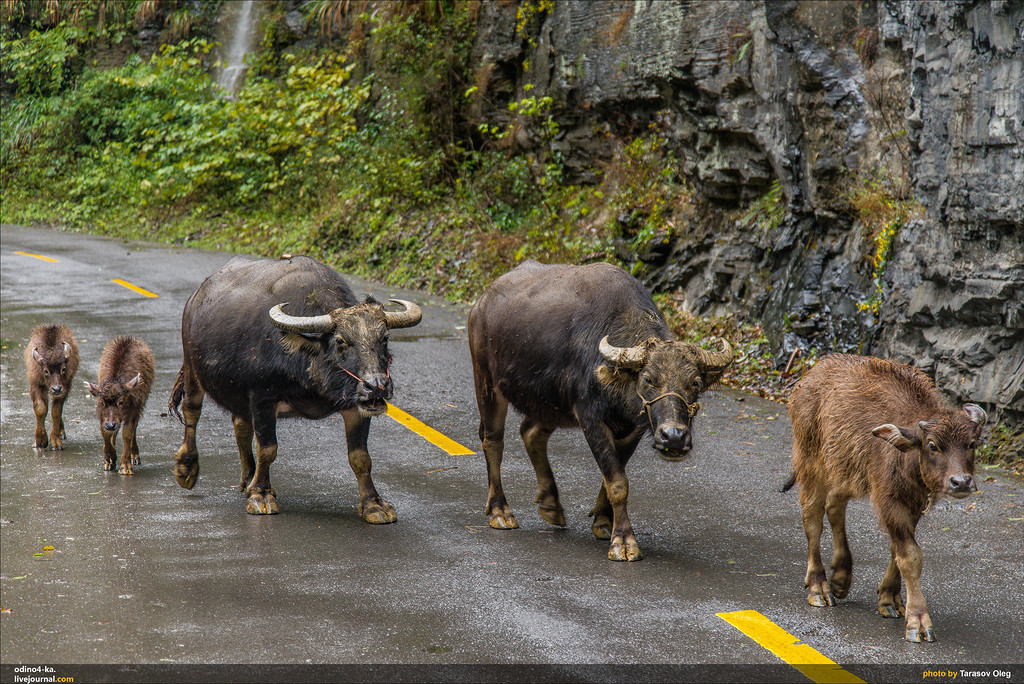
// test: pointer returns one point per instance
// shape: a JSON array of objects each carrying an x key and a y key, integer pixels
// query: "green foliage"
[
  {"x": 882, "y": 215},
  {"x": 1004, "y": 446},
  {"x": 43, "y": 64},
  {"x": 767, "y": 213}
]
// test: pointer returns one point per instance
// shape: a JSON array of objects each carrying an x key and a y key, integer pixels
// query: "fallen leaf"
[
  {"x": 19, "y": 577},
  {"x": 970, "y": 507},
  {"x": 767, "y": 574},
  {"x": 990, "y": 479},
  {"x": 750, "y": 443},
  {"x": 4, "y": 610},
  {"x": 1013, "y": 519}
]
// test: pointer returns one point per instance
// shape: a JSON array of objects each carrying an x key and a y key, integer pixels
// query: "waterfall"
[{"x": 236, "y": 28}]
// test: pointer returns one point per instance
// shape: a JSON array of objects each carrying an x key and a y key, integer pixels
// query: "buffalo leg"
[
  {"x": 890, "y": 602},
  {"x": 57, "y": 423},
  {"x": 109, "y": 450},
  {"x": 909, "y": 562},
  {"x": 812, "y": 501},
  {"x": 186, "y": 461},
  {"x": 842, "y": 559},
  {"x": 602, "y": 510},
  {"x": 493, "y": 411},
  {"x": 130, "y": 452},
  {"x": 602, "y": 515},
  {"x": 40, "y": 407},
  {"x": 261, "y": 498},
  {"x": 623, "y": 545},
  {"x": 243, "y": 438},
  {"x": 535, "y": 437},
  {"x": 372, "y": 508}
]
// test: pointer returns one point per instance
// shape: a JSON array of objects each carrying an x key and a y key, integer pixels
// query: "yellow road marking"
[
  {"x": 134, "y": 288},
  {"x": 428, "y": 433},
  {"x": 809, "y": 662},
  {"x": 37, "y": 256}
]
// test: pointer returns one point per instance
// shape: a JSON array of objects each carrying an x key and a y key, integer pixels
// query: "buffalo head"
[
  {"x": 945, "y": 448},
  {"x": 668, "y": 376},
  {"x": 350, "y": 341},
  {"x": 110, "y": 401},
  {"x": 54, "y": 364}
]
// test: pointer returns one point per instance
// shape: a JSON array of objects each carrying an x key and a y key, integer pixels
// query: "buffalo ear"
[
  {"x": 901, "y": 438},
  {"x": 93, "y": 389},
  {"x": 976, "y": 414}
]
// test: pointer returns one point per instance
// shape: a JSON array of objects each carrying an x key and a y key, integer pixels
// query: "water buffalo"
[
  {"x": 125, "y": 378},
  {"x": 869, "y": 427},
  {"x": 51, "y": 360},
  {"x": 328, "y": 354},
  {"x": 583, "y": 346}
]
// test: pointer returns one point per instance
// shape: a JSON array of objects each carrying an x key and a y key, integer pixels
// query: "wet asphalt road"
[{"x": 146, "y": 572}]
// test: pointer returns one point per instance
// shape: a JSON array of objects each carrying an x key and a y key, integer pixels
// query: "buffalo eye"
[
  {"x": 973, "y": 445},
  {"x": 932, "y": 447},
  {"x": 120, "y": 402},
  {"x": 647, "y": 380}
]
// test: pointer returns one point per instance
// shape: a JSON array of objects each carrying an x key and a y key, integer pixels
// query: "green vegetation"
[{"x": 882, "y": 214}]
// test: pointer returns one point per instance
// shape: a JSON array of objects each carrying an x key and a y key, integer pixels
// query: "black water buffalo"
[
  {"x": 582, "y": 346},
  {"x": 328, "y": 354}
]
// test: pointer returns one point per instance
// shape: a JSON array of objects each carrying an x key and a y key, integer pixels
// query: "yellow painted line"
[
  {"x": 428, "y": 433},
  {"x": 809, "y": 662},
  {"x": 134, "y": 288},
  {"x": 37, "y": 256}
]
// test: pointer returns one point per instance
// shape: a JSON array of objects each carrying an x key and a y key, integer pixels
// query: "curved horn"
[
  {"x": 403, "y": 319},
  {"x": 715, "y": 361},
  {"x": 301, "y": 324},
  {"x": 628, "y": 357}
]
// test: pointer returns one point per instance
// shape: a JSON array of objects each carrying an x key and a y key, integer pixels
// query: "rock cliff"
[{"x": 819, "y": 97}]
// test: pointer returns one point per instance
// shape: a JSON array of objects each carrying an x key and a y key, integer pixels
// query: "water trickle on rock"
[{"x": 236, "y": 29}]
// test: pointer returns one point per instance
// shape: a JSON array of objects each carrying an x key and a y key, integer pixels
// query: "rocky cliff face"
[{"x": 817, "y": 96}]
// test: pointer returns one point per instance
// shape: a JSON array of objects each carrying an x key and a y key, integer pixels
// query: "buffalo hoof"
[
  {"x": 42, "y": 443},
  {"x": 552, "y": 514},
  {"x": 56, "y": 444},
  {"x": 378, "y": 513},
  {"x": 126, "y": 469},
  {"x": 503, "y": 521},
  {"x": 890, "y": 611},
  {"x": 601, "y": 527},
  {"x": 821, "y": 600},
  {"x": 108, "y": 465},
  {"x": 624, "y": 551},
  {"x": 262, "y": 504},
  {"x": 915, "y": 635},
  {"x": 136, "y": 460},
  {"x": 840, "y": 590},
  {"x": 187, "y": 473}
]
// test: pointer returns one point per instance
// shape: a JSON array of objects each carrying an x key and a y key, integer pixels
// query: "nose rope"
[
  {"x": 387, "y": 371},
  {"x": 691, "y": 409}
]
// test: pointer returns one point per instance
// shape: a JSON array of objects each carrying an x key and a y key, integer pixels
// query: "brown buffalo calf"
[
  {"x": 126, "y": 374},
  {"x": 51, "y": 359},
  {"x": 867, "y": 427}
]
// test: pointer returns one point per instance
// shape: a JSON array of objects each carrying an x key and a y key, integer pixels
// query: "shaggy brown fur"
[
  {"x": 125, "y": 378},
  {"x": 51, "y": 360},
  {"x": 868, "y": 427}
]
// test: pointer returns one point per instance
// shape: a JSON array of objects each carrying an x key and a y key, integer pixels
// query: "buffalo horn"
[
  {"x": 715, "y": 361},
  {"x": 301, "y": 324},
  {"x": 403, "y": 319},
  {"x": 628, "y": 357}
]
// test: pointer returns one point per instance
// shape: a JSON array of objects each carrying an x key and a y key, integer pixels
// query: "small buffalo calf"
[
  {"x": 868, "y": 427},
  {"x": 126, "y": 374},
  {"x": 51, "y": 359}
]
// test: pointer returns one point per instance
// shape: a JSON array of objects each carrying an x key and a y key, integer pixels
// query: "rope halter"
[{"x": 691, "y": 409}]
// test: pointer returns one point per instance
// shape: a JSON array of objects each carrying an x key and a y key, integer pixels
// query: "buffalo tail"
[
  {"x": 177, "y": 394},
  {"x": 789, "y": 483}
]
